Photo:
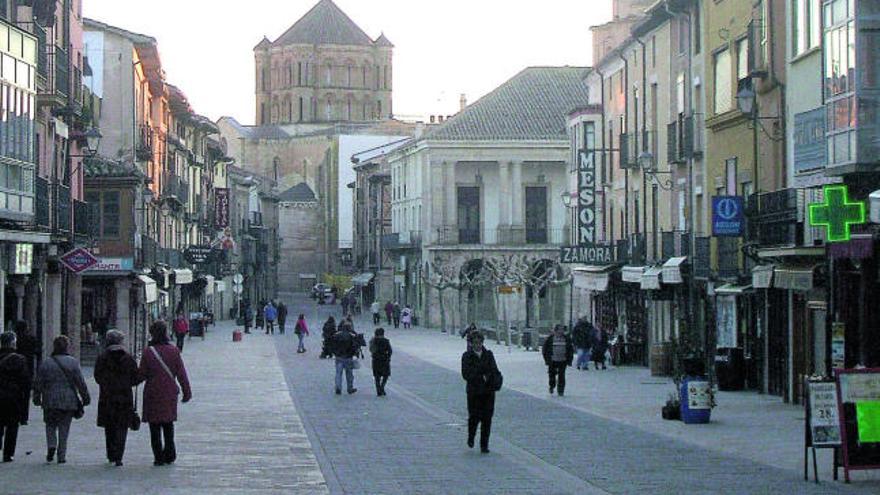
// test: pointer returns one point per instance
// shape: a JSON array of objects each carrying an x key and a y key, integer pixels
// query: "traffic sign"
[
  {"x": 238, "y": 279},
  {"x": 238, "y": 288},
  {"x": 78, "y": 260}
]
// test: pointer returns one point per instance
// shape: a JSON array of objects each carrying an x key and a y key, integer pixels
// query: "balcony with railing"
[
  {"x": 632, "y": 250},
  {"x": 41, "y": 203},
  {"x": 144, "y": 147},
  {"x": 702, "y": 262},
  {"x": 175, "y": 188},
  {"x": 728, "y": 257},
  {"x": 62, "y": 208},
  {"x": 515, "y": 236},
  {"x": 676, "y": 243},
  {"x": 57, "y": 88},
  {"x": 82, "y": 219},
  {"x": 408, "y": 239}
]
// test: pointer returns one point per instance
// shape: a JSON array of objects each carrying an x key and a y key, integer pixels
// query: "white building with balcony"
[{"x": 487, "y": 183}]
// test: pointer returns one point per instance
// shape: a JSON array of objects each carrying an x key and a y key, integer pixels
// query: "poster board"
[
  {"x": 858, "y": 409},
  {"x": 823, "y": 424}
]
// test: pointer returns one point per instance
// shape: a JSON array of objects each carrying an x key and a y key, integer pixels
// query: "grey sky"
[{"x": 443, "y": 47}]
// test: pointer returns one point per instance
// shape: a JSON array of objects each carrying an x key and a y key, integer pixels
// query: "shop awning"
[
  {"x": 362, "y": 279},
  {"x": 183, "y": 276},
  {"x": 732, "y": 290},
  {"x": 651, "y": 278},
  {"x": 220, "y": 286},
  {"x": 793, "y": 277},
  {"x": 151, "y": 290},
  {"x": 672, "y": 270},
  {"x": 165, "y": 273},
  {"x": 209, "y": 285},
  {"x": 632, "y": 274},
  {"x": 762, "y": 276},
  {"x": 593, "y": 278}
]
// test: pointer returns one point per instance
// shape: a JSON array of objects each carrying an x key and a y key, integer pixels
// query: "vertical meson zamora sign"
[{"x": 586, "y": 235}]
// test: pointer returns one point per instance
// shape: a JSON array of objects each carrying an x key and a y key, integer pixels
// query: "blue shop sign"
[{"x": 728, "y": 218}]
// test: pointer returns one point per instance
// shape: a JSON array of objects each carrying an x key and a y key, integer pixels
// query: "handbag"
[
  {"x": 165, "y": 367},
  {"x": 495, "y": 380},
  {"x": 80, "y": 408},
  {"x": 356, "y": 364},
  {"x": 135, "y": 424}
]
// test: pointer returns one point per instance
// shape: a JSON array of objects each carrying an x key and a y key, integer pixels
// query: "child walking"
[
  {"x": 301, "y": 331},
  {"x": 380, "y": 351}
]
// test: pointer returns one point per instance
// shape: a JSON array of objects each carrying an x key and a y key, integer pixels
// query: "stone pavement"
[
  {"x": 601, "y": 438},
  {"x": 239, "y": 434}
]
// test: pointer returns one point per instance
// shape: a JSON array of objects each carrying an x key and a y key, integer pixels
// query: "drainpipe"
[
  {"x": 625, "y": 126},
  {"x": 605, "y": 179},
  {"x": 644, "y": 137}
]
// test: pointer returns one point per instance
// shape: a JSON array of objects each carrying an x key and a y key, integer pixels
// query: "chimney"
[{"x": 462, "y": 101}]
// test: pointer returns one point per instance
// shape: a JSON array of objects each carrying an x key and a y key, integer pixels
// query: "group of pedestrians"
[
  {"x": 267, "y": 315},
  {"x": 591, "y": 344},
  {"x": 58, "y": 386},
  {"x": 394, "y": 314}
]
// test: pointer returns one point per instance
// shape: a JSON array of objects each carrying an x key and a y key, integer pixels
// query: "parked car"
[{"x": 321, "y": 291}]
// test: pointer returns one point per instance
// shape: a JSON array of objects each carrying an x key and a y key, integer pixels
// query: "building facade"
[{"x": 324, "y": 68}]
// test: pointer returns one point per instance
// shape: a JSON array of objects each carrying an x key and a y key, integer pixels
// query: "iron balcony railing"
[
  {"x": 676, "y": 243},
  {"x": 42, "y": 202},
  {"x": 144, "y": 148},
  {"x": 728, "y": 257},
  {"x": 702, "y": 262},
  {"x": 516, "y": 236},
  {"x": 62, "y": 208},
  {"x": 174, "y": 187},
  {"x": 83, "y": 223}
]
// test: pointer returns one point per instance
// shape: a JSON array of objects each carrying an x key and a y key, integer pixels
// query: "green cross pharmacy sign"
[{"x": 837, "y": 213}]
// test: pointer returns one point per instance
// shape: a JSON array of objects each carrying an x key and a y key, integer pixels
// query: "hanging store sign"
[
  {"x": 198, "y": 255},
  {"x": 727, "y": 216},
  {"x": 22, "y": 259},
  {"x": 837, "y": 213},
  {"x": 726, "y": 322},
  {"x": 78, "y": 260},
  {"x": 221, "y": 208},
  {"x": 586, "y": 202},
  {"x": 112, "y": 265}
]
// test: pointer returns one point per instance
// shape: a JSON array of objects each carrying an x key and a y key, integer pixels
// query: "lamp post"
[{"x": 568, "y": 199}]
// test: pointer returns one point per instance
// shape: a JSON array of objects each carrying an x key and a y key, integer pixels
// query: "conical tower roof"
[{"x": 325, "y": 24}]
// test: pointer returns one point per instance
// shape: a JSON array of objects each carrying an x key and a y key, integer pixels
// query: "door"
[
  {"x": 468, "y": 215},
  {"x": 536, "y": 215}
]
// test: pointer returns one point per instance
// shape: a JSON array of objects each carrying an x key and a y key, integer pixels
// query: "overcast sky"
[{"x": 443, "y": 47}]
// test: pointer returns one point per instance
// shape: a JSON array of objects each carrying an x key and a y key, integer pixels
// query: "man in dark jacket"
[
  {"x": 558, "y": 354},
  {"x": 380, "y": 351},
  {"x": 15, "y": 390},
  {"x": 478, "y": 368},
  {"x": 345, "y": 348},
  {"x": 582, "y": 338}
]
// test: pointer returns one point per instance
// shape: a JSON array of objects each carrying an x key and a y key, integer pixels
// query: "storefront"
[{"x": 632, "y": 322}]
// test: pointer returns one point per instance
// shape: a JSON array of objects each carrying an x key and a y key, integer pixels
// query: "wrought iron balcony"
[
  {"x": 676, "y": 243},
  {"x": 41, "y": 206},
  {"x": 505, "y": 236},
  {"x": 175, "y": 188},
  {"x": 702, "y": 263},
  {"x": 62, "y": 208},
  {"x": 82, "y": 219},
  {"x": 144, "y": 147},
  {"x": 57, "y": 88},
  {"x": 728, "y": 257}
]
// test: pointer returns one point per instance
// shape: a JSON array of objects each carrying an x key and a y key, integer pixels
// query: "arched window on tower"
[
  {"x": 265, "y": 79},
  {"x": 299, "y": 73},
  {"x": 329, "y": 74},
  {"x": 276, "y": 168}
]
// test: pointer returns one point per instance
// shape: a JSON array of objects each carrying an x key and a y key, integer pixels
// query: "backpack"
[{"x": 343, "y": 344}]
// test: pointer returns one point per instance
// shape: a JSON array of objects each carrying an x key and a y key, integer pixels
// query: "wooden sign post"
[{"x": 858, "y": 410}]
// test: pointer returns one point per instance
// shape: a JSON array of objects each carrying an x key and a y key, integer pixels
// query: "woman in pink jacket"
[{"x": 162, "y": 368}]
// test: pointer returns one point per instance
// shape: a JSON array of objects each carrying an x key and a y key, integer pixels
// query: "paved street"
[
  {"x": 264, "y": 419},
  {"x": 239, "y": 434}
]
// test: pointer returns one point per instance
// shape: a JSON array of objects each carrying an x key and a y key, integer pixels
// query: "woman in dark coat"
[
  {"x": 477, "y": 367},
  {"x": 600, "y": 345},
  {"x": 326, "y": 335},
  {"x": 116, "y": 372},
  {"x": 15, "y": 390},
  {"x": 162, "y": 368},
  {"x": 380, "y": 351}
]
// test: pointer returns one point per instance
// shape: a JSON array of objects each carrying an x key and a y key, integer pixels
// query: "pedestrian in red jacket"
[
  {"x": 163, "y": 370},
  {"x": 181, "y": 328}
]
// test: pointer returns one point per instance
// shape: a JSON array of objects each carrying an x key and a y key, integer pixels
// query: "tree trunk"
[{"x": 442, "y": 311}]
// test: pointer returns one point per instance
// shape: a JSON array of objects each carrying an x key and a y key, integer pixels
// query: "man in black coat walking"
[
  {"x": 478, "y": 368},
  {"x": 15, "y": 390},
  {"x": 380, "y": 351},
  {"x": 558, "y": 354}
]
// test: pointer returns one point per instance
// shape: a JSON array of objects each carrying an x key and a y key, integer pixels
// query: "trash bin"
[
  {"x": 696, "y": 400},
  {"x": 195, "y": 327},
  {"x": 526, "y": 339},
  {"x": 730, "y": 368}
]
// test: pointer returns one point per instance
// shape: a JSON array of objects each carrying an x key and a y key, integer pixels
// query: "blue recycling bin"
[{"x": 696, "y": 400}]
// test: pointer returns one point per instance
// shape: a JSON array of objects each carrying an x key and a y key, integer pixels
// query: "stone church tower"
[{"x": 323, "y": 69}]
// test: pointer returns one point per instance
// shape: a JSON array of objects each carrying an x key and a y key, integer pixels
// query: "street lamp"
[
  {"x": 648, "y": 165},
  {"x": 746, "y": 101}
]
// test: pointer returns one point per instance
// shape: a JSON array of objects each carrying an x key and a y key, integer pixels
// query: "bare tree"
[
  {"x": 541, "y": 274},
  {"x": 441, "y": 275}
]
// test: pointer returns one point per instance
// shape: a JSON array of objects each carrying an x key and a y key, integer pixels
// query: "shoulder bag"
[
  {"x": 164, "y": 366},
  {"x": 80, "y": 409},
  {"x": 135, "y": 424}
]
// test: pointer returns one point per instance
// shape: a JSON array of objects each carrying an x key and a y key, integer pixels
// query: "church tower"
[{"x": 323, "y": 69}]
